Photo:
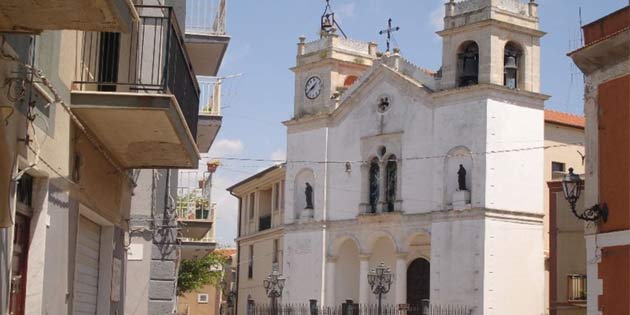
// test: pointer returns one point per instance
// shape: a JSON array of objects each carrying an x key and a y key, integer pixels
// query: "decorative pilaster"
[
  {"x": 331, "y": 264},
  {"x": 364, "y": 286},
  {"x": 382, "y": 205},
  {"x": 400, "y": 282}
]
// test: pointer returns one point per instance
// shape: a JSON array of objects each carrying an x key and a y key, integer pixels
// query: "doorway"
[{"x": 418, "y": 283}]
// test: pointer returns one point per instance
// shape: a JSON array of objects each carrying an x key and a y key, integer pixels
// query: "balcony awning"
[
  {"x": 206, "y": 52},
  {"x": 196, "y": 249},
  {"x": 33, "y": 16},
  {"x": 194, "y": 228},
  {"x": 139, "y": 130}
]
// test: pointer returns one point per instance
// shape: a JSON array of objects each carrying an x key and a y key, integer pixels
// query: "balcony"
[
  {"x": 194, "y": 210},
  {"x": 138, "y": 94},
  {"x": 210, "y": 115},
  {"x": 31, "y": 16},
  {"x": 206, "y": 39}
]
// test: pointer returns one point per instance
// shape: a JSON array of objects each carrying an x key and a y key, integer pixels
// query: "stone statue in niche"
[
  {"x": 461, "y": 178},
  {"x": 308, "y": 191}
]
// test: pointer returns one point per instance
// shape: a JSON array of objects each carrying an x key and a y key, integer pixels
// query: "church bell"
[{"x": 510, "y": 63}]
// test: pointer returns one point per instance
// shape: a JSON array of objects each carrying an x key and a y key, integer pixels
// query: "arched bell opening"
[{"x": 468, "y": 64}]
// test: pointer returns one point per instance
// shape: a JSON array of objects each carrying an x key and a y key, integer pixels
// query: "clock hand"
[{"x": 310, "y": 89}]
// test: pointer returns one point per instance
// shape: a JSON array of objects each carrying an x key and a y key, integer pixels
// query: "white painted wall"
[{"x": 303, "y": 263}]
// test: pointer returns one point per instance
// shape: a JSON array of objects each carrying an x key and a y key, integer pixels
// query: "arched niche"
[
  {"x": 457, "y": 159},
  {"x": 468, "y": 64},
  {"x": 303, "y": 180}
]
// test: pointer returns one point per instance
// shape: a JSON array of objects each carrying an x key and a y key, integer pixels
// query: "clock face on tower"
[{"x": 313, "y": 87}]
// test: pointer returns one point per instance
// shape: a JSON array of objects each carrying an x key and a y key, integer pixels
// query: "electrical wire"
[{"x": 416, "y": 158}]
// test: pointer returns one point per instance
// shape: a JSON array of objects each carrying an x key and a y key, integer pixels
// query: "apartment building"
[
  {"x": 99, "y": 103},
  {"x": 260, "y": 234},
  {"x": 565, "y": 275},
  {"x": 605, "y": 61}
]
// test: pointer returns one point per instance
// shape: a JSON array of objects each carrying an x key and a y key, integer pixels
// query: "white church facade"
[{"x": 439, "y": 175}]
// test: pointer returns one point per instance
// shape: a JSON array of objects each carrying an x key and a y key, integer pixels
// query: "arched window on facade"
[
  {"x": 374, "y": 185},
  {"x": 391, "y": 179},
  {"x": 512, "y": 65},
  {"x": 468, "y": 64}
]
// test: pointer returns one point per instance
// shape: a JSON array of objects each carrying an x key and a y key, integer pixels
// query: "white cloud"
[
  {"x": 279, "y": 154},
  {"x": 225, "y": 147}
]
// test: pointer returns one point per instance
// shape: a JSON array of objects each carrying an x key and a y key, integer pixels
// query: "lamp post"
[
  {"x": 274, "y": 283},
  {"x": 380, "y": 280},
  {"x": 572, "y": 188}
]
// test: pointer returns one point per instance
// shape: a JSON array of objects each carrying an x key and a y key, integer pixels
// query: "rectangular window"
[
  {"x": 202, "y": 298},
  {"x": 576, "y": 288},
  {"x": 275, "y": 251},
  {"x": 252, "y": 198},
  {"x": 25, "y": 190},
  {"x": 557, "y": 167},
  {"x": 250, "y": 266}
]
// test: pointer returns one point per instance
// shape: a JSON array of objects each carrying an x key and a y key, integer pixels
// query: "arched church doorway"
[{"x": 418, "y": 282}]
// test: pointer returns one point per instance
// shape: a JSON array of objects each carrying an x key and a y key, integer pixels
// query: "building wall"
[
  {"x": 189, "y": 304},
  {"x": 567, "y": 252},
  {"x": 564, "y": 143},
  {"x": 606, "y": 96},
  {"x": 252, "y": 288},
  {"x": 59, "y": 188}
]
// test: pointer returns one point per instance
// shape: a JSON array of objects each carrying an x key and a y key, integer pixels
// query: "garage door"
[{"x": 86, "y": 276}]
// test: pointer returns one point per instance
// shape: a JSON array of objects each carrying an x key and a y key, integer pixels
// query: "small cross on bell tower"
[{"x": 389, "y": 30}]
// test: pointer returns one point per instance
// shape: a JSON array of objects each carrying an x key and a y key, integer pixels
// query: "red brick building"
[{"x": 605, "y": 61}]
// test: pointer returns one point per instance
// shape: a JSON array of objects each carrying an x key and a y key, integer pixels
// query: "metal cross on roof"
[{"x": 389, "y": 30}]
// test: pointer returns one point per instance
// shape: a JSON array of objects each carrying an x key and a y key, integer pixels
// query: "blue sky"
[{"x": 263, "y": 46}]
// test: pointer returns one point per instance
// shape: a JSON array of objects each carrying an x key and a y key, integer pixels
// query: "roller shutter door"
[{"x": 87, "y": 262}]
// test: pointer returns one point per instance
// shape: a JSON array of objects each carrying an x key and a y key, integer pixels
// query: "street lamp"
[
  {"x": 380, "y": 280},
  {"x": 274, "y": 283},
  {"x": 572, "y": 187}
]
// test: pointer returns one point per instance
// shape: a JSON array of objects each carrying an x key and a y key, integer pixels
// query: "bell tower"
[
  {"x": 325, "y": 68},
  {"x": 491, "y": 42}
]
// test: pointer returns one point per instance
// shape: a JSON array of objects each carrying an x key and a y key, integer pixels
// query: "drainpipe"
[
  {"x": 238, "y": 250},
  {"x": 324, "y": 220}
]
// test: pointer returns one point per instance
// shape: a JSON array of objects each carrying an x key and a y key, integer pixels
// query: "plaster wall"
[
  {"x": 303, "y": 263},
  {"x": 512, "y": 127},
  {"x": 457, "y": 262},
  {"x": 297, "y": 151},
  {"x": 517, "y": 261}
]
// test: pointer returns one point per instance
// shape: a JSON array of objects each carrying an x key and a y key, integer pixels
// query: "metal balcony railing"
[
  {"x": 205, "y": 17},
  {"x": 151, "y": 59}
]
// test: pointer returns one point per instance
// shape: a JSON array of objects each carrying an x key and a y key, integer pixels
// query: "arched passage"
[{"x": 418, "y": 281}]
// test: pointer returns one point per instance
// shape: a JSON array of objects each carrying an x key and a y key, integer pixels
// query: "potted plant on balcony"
[
  {"x": 212, "y": 165},
  {"x": 202, "y": 211}
]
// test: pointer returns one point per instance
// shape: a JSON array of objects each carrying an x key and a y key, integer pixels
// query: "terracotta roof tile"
[
  {"x": 227, "y": 251},
  {"x": 566, "y": 119}
]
